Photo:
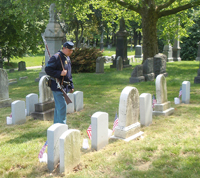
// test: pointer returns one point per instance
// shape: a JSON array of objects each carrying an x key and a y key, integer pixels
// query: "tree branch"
[
  {"x": 135, "y": 8},
  {"x": 178, "y": 9},
  {"x": 162, "y": 6}
]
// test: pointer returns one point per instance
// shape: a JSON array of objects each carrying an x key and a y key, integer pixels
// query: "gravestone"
[
  {"x": 78, "y": 100},
  {"x": 5, "y": 101},
  {"x": 100, "y": 65},
  {"x": 53, "y": 152},
  {"x": 163, "y": 106},
  {"x": 176, "y": 51},
  {"x": 197, "y": 78},
  {"x": 160, "y": 64},
  {"x": 53, "y": 35},
  {"x": 119, "y": 65},
  {"x": 12, "y": 81},
  {"x": 186, "y": 92},
  {"x": 137, "y": 74},
  {"x": 167, "y": 50},
  {"x": 128, "y": 127},
  {"x": 1, "y": 60},
  {"x": 138, "y": 51},
  {"x": 99, "y": 123},
  {"x": 148, "y": 71},
  {"x": 121, "y": 46},
  {"x": 69, "y": 150},
  {"x": 31, "y": 100},
  {"x": 198, "y": 52},
  {"x": 18, "y": 112},
  {"x": 21, "y": 66},
  {"x": 70, "y": 106},
  {"x": 44, "y": 110},
  {"x": 145, "y": 109}
]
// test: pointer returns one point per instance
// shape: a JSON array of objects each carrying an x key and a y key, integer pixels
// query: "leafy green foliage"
[{"x": 84, "y": 59}]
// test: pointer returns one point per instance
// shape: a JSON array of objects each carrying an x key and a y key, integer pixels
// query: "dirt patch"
[{"x": 144, "y": 166}]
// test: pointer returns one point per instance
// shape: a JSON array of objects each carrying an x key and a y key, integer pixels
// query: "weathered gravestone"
[
  {"x": 21, "y": 66},
  {"x": 119, "y": 65},
  {"x": 31, "y": 100},
  {"x": 198, "y": 52},
  {"x": 197, "y": 78},
  {"x": 18, "y": 112},
  {"x": 148, "y": 71},
  {"x": 100, "y": 65},
  {"x": 44, "y": 110},
  {"x": 167, "y": 50},
  {"x": 53, "y": 151},
  {"x": 186, "y": 92},
  {"x": 137, "y": 74},
  {"x": 1, "y": 60},
  {"x": 70, "y": 106},
  {"x": 5, "y": 101},
  {"x": 121, "y": 46},
  {"x": 128, "y": 126},
  {"x": 99, "y": 123},
  {"x": 78, "y": 100},
  {"x": 138, "y": 51},
  {"x": 53, "y": 35},
  {"x": 163, "y": 106},
  {"x": 160, "y": 64},
  {"x": 145, "y": 109},
  {"x": 69, "y": 150}
]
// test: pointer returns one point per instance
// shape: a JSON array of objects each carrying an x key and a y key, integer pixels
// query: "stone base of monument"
[
  {"x": 44, "y": 111},
  {"x": 163, "y": 109},
  {"x": 170, "y": 59},
  {"x": 149, "y": 77},
  {"x": 127, "y": 133},
  {"x": 136, "y": 79},
  {"x": 5, "y": 103}
]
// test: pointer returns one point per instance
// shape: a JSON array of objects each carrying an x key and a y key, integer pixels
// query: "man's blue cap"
[{"x": 69, "y": 45}]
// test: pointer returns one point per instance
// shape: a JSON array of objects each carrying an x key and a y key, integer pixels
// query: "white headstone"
[
  {"x": 53, "y": 134},
  {"x": 31, "y": 100},
  {"x": 69, "y": 150},
  {"x": 99, "y": 123},
  {"x": 145, "y": 109},
  {"x": 186, "y": 92},
  {"x": 5, "y": 101},
  {"x": 18, "y": 112},
  {"x": 78, "y": 100},
  {"x": 70, "y": 106},
  {"x": 100, "y": 65},
  {"x": 45, "y": 93},
  {"x": 163, "y": 106},
  {"x": 128, "y": 124}
]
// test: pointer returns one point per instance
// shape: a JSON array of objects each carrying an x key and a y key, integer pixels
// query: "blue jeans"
[{"x": 60, "y": 108}]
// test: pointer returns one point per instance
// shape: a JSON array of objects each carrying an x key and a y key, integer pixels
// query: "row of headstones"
[
  {"x": 151, "y": 68},
  {"x": 13, "y": 81}
]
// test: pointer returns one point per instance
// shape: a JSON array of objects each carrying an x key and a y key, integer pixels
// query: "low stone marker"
[
  {"x": 5, "y": 101},
  {"x": 12, "y": 81},
  {"x": 186, "y": 92},
  {"x": 18, "y": 112},
  {"x": 78, "y": 100},
  {"x": 145, "y": 109},
  {"x": 53, "y": 152},
  {"x": 31, "y": 100},
  {"x": 128, "y": 126},
  {"x": 22, "y": 78},
  {"x": 69, "y": 150},
  {"x": 137, "y": 74},
  {"x": 163, "y": 106},
  {"x": 99, "y": 123},
  {"x": 70, "y": 106},
  {"x": 21, "y": 66},
  {"x": 119, "y": 65},
  {"x": 100, "y": 65}
]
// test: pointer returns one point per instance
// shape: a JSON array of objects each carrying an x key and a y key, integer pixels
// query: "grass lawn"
[{"x": 169, "y": 148}]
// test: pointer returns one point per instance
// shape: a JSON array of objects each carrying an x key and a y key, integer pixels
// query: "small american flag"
[
  {"x": 115, "y": 122},
  {"x": 180, "y": 92},
  {"x": 154, "y": 101},
  {"x": 89, "y": 132},
  {"x": 42, "y": 150}
]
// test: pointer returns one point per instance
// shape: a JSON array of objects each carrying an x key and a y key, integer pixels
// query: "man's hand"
[
  {"x": 72, "y": 90},
  {"x": 64, "y": 73}
]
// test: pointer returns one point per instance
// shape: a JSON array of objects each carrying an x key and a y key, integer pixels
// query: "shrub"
[{"x": 84, "y": 59}]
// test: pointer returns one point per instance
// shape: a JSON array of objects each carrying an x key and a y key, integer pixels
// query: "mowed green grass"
[{"x": 168, "y": 148}]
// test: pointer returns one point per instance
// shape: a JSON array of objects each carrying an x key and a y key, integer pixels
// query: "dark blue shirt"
[{"x": 54, "y": 69}]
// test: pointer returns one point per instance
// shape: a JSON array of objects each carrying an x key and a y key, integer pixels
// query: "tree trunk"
[{"x": 150, "y": 44}]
